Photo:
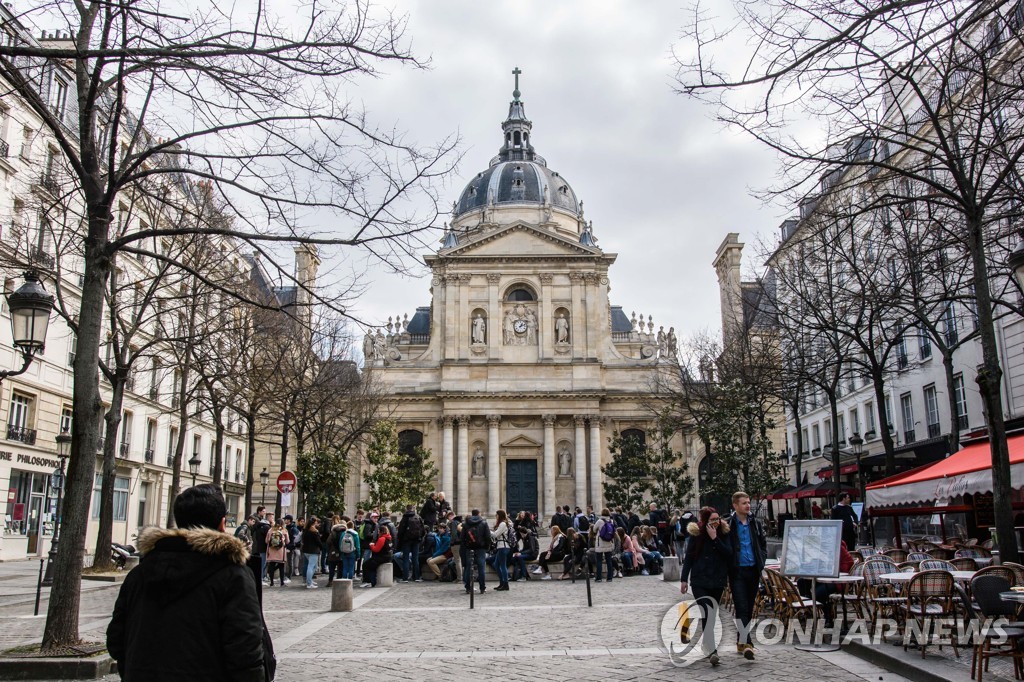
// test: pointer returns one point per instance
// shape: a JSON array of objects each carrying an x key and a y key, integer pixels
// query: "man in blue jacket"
[{"x": 749, "y": 550}]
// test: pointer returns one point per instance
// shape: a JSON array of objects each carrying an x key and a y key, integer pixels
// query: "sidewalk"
[{"x": 936, "y": 666}]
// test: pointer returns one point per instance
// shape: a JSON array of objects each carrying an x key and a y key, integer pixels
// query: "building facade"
[{"x": 520, "y": 369}]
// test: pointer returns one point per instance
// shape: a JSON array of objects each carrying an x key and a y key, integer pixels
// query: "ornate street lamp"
[
  {"x": 30, "y": 307},
  {"x": 857, "y": 443},
  {"x": 264, "y": 479},
  {"x": 193, "y": 466},
  {"x": 57, "y": 483}
]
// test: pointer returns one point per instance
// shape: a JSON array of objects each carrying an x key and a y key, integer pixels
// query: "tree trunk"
[
  {"x": 285, "y": 430},
  {"x": 954, "y": 422},
  {"x": 65, "y": 596},
  {"x": 105, "y": 533},
  {"x": 989, "y": 381},
  {"x": 218, "y": 458},
  {"x": 250, "y": 424},
  {"x": 179, "y": 447},
  {"x": 878, "y": 379},
  {"x": 799, "y": 448},
  {"x": 834, "y": 411}
]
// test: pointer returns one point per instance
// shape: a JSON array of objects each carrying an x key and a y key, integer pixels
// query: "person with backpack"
[
  {"x": 410, "y": 534},
  {"x": 366, "y": 529},
  {"x": 381, "y": 552},
  {"x": 334, "y": 549},
  {"x": 277, "y": 539},
  {"x": 476, "y": 539},
  {"x": 604, "y": 543},
  {"x": 581, "y": 522},
  {"x": 349, "y": 546}
]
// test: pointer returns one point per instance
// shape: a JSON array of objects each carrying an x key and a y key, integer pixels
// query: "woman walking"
[
  {"x": 502, "y": 536},
  {"x": 311, "y": 548},
  {"x": 706, "y": 569}
]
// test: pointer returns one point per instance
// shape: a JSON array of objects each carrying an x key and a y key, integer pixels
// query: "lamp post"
[
  {"x": 264, "y": 479},
  {"x": 30, "y": 307},
  {"x": 193, "y": 466},
  {"x": 57, "y": 482},
  {"x": 857, "y": 443}
]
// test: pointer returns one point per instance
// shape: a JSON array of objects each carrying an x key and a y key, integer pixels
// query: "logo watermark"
[{"x": 682, "y": 637}]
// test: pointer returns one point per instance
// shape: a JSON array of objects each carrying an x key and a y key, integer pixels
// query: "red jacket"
[{"x": 377, "y": 546}]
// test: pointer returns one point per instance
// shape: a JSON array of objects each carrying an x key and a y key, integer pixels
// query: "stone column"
[
  {"x": 462, "y": 494},
  {"x": 595, "y": 462},
  {"x": 549, "y": 466},
  {"x": 579, "y": 319},
  {"x": 493, "y": 464},
  {"x": 545, "y": 313},
  {"x": 580, "y": 460},
  {"x": 447, "y": 456},
  {"x": 494, "y": 319}
]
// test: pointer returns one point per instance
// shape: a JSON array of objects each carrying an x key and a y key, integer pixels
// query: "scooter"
[{"x": 119, "y": 554}]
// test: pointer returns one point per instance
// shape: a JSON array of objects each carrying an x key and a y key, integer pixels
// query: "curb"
[
  {"x": 920, "y": 670},
  {"x": 84, "y": 668}
]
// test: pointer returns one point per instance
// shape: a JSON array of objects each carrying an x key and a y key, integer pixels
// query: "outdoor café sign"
[{"x": 951, "y": 486}]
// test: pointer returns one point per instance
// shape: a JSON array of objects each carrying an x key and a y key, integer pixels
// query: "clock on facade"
[{"x": 519, "y": 326}]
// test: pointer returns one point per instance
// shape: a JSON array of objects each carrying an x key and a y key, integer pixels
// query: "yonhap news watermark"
[{"x": 682, "y": 637}]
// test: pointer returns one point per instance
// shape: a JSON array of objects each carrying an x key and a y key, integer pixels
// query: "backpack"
[
  {"x": 277, "y": 539},
  {"x": 414, "y": 528},
  {"x": 448, "y": 574},
  {"x": 479, "y": 536},
  {"x": 607, "y": 532},
  {"x": 347, "y": 543},
  {"x": 582, "y": 523}
]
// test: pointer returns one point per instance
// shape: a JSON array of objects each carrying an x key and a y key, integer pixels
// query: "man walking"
[
  {"x": 476, "y": 538},
  {"x": 189, "y": 610},
  {"x": 844, "y": 512},
  {"x": 259, "y": 540},
  {"x": 749, "y": 550},
  {"x": 410, "y": 534}
]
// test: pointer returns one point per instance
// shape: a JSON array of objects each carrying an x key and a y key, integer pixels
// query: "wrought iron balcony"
[
  {"x": 962, "y": 422},
  {"x": 148, "y": 455},
  {"x": 5, "y": 149},
  {"x": 934, "y": 430},
  {"x": 20, "y": 433},
  {"x": 909, "y": 436},
  {"x": 40, "y": 257},
  {"x": 49, "y": 183},
  {"x": 170, "y": 461},
  {"x": 125, "y": 449}
]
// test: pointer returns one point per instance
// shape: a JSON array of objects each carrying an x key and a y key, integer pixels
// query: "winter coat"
[
  {"x": 444, "y": 543},
  {"x": 381, "y": 550},
  {"x": 334, "y": 543},
  {"x": 259, "y": 536},
  {"x": 602, "y": 546},
  {"x": 277, "y": 553},
  {"x": 429, "y": 513},
  {"x": 188, "y": 611},
  {"x": 558, "y": 548},
  {"x": 628, "y": 546},
  {"x": 411, "y": 528},
  {"x": 758, "y": 541},
  {"x": 311, "y": 543},
  {"x": 707, "y": 562},
  {"x": 530, "y": 545},
  {"x": 502, "y": 536}
]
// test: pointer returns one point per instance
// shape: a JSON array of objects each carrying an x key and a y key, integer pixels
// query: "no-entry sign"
[{"x": 286, "y": 482}]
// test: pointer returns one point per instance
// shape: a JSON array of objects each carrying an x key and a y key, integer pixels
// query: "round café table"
[
  {"x": 960, "y": 576},
  {"x": 1017, "y": 597}
]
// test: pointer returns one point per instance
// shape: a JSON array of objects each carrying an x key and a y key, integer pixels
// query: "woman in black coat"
[{"x": 706, "y": 570}]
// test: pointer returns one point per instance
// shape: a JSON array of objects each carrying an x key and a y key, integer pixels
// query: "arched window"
[
  {"x": 409, "y": 440},
  {"x": 520, "y": 294},
  {"x": 633, "y": 441}
]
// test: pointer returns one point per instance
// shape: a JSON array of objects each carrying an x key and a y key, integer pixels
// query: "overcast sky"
[{"x": 662, "y": 181}]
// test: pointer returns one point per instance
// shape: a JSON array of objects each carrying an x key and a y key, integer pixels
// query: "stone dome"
[{"x": 517, "y": 182}]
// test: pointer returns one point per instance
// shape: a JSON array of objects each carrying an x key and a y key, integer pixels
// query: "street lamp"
[
  {"x": 264, "y": 479},
  {"x": 57, "y": 482},
  {"x": 1016, "y": 262},
  {"x": 193, "y": 466},
  {"x": 857, "y": 443},
  {"x": 30, "y": 307}
]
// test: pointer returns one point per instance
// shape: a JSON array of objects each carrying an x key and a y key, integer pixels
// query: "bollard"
[
  {"x": 670, "y": 569},
  {"x": 341, "y": 595},
  {"x": 470, "y": 554},
  {"x": 39, "y": 587},
  {"x": 386, "y": 575}
]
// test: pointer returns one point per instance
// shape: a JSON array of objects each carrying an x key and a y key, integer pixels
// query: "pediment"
[
  {"x": 521, "y": 442},
  {"x": 521, "y": 240}
]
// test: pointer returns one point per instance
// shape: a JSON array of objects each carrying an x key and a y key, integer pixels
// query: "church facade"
[{"x": 520, "y": 369}]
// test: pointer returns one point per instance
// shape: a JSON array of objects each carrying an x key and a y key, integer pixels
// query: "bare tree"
[{"x": 925, "y": 94}]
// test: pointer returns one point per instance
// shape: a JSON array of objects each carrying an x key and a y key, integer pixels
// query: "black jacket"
[
  {"x": 429, "y": 513},
  {"x": 188, "y": 611},
  {"x": 845, "y": 513},
  {"x": 707, "y": 563},
  {"x": 410, "y": 528},
  {"x": 259, "y": 536},
  {"x": 311, "y": 542},
  {"x": 758, "y": 541}
]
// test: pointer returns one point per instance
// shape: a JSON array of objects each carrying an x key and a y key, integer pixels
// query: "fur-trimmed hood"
[
  {"x": 206, "y": 541},
  {"x": 693, "y": 529}
]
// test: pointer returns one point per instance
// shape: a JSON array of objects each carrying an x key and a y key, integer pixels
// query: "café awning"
[{"x": 967, "y": 471}]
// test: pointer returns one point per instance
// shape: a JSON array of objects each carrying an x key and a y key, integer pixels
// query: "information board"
[{"x": 810, "y": 549}]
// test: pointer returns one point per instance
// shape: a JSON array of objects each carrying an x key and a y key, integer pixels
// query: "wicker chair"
[
  {"x": 852, "y": 595},
  {"x": 880, "y": 597},
  {"x": 1018, "y": 571},
  {"x": 793, "y": 604},
  {"x": 963, "y": 564},
  {"x": 1003, "y": 571},
  {"x": 908, "y": 566},
  {"x": 987, "y": 544},
  {"x": 986, "y": 589},
  {"x": 897, "y": 555},
  {"x": 971, "y": 542},
  {"x": 940, "y": 553},
  {"x": 917, "y": 556},
  {"x": 973, "y": 553},
  {"x": 929, "y": 595},
  {"x": 936, "y": 565}
]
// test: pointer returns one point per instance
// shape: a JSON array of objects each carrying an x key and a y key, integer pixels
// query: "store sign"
[
  {"x": 39, "y": 461},
  {"x": 951, "y": 487}
]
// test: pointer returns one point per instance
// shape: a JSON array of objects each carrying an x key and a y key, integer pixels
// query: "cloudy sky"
[{"x": 661, "y": 180}]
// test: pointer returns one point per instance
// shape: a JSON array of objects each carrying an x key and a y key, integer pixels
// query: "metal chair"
[
  {"x": 963, "y": 564},
  {"x": 986, "y": 589},
  {"x": 929, "y": 595},
  {"x": 936, "y": 565}
]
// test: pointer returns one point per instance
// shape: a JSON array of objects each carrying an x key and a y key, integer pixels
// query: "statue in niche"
[
  {"x": 564, "y": 461},
  {"x": 479, "y": 329},
  {"x": 561, "y": 329},
  {"x": 509, "y": 326},
  {"x": 478, "y": 462},
  {"x": 531, "y": 327}
]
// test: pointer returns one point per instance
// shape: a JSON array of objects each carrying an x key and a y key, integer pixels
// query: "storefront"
[{"x": 31, "y": 506}]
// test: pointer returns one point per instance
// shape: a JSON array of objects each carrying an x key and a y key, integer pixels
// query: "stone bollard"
[
  {"x": 341, "y": 595},
  {"x": 131, "y": 562},
  {"x": 670, "y": 569},
  {"x": 386, "y": 575}
]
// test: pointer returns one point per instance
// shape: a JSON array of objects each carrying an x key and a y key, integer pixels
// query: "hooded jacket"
[
  {"x": 707, "y": 562},
  {"x": 188, "y": 611}
]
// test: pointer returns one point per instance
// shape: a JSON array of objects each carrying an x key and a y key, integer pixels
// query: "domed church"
[{"x": 520, "y": 369}]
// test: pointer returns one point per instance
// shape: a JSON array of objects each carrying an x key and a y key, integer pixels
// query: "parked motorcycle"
[{"x": 119, "y": 554}]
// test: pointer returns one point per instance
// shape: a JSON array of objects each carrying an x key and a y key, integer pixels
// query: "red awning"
[
  {"x": 844, "y": 469},
  {"x": 967, "y": 471}
]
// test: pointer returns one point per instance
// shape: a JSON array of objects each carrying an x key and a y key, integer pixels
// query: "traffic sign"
[{"x": 286, "y": 482}]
